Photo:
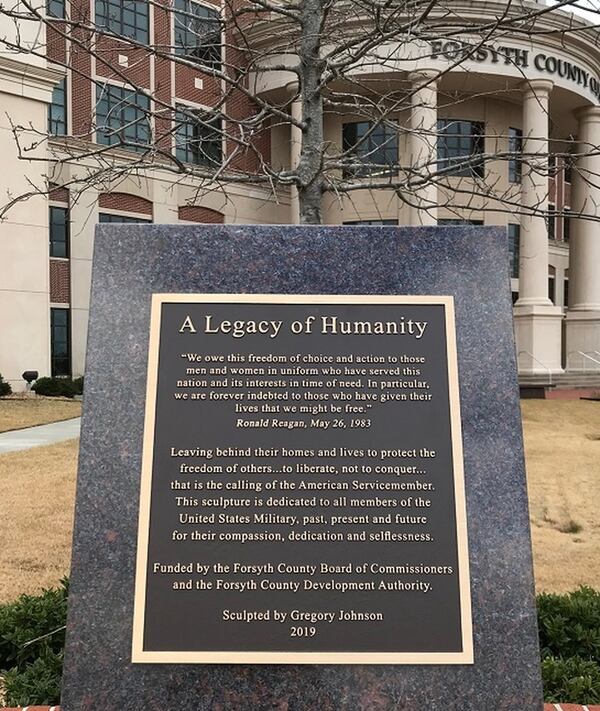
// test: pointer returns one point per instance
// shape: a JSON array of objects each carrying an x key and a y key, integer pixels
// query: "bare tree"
[{"x": 297, "y": 64}]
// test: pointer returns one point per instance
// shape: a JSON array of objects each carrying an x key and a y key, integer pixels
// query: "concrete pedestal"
[
  {"x": 583, "y": 341},
  {"x": 538, "y": 338}
]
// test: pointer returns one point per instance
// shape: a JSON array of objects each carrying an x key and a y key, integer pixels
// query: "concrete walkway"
[{"x": 16, "y": 440}]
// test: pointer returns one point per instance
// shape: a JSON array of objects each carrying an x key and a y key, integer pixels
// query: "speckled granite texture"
[{"x": 130, "y": 263}]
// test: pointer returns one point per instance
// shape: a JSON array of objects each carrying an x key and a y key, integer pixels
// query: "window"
[
  {"x": 198, "y": 32},
  {"x": 59, "y": 232},
  {"x": 566, "y": 224},
  {"x": 566, "y": 293},
  {"x": 373, "y": 145},
  {"x": 60, "y": 342},
  {"x": 55, "y": 8},
  {"x": 452, "y": 222},
  {"x": 514, "y": 248},
  {"x": 515, "y": 146},
  {"x": 105, "y": 217},
  {"x": 568, "y": 169},
  {"x": 128, "y": 18},
  {"x": 552, "y": 284},
  {"x": 460, "y": 141},
  {"x": 551, "y": 222},
  {"x": 122, "y": 117},
  {"x": 57, "y": 111},
  {"x": 198, "y": 137},
  {"x": 372, "y": 222}
]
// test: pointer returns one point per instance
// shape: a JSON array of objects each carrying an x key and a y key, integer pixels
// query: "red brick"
[
  {"x": 125, "y": 202},
  {"x": 59, "y": 195},
  {"x": 194, "y": 213},
  {"x": 60, "y": 281}
]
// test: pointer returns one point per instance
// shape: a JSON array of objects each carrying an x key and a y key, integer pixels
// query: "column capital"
[
  {"x": 292, "y": 87},
  {"x": 537, "y": 87},
  {"x": 588, "y": 114},
  {"x": 424, "y": 76}
]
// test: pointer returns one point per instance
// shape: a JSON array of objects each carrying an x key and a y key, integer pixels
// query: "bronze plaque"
[{"x": 302, "y": 494}]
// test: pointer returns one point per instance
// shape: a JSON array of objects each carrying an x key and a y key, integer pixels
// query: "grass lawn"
[
  {"x": 27, "y": 412},
  {"x": 562, "y": 451},
  {"x": 37, "y": 494},
  {"x": 562, "y": 442}
]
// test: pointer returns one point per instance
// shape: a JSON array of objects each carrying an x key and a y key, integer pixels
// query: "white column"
[
  {"x": 423, "y": 145},
  {"x": 295, "y": 148},
  {"x": 583, "y": 317},
  {"x": 537, "y": 320}
]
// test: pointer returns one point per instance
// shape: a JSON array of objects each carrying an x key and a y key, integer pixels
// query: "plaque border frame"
[{"x": 141, "y": 656}]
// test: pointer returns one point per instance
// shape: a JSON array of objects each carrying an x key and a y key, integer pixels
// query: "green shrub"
[
  {"x": 55, "y": 387},
  {"x": 38, "y": 683},
  {"x": 573, "y": 680},
  {"x": 5, "y": 388},
  {"x": 33, "y": 617},
  {"x": 78, "y": 385},
  {"x": 569, "y": 624},
  {"x": 569, "y": 627},
  {"x": 32, "y": 640}
]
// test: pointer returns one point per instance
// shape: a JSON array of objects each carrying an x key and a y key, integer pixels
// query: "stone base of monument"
[{"x": 547, "y": 707}]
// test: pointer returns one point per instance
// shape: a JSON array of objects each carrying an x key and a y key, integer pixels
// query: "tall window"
[
  {"x": 551, "y": 221},
  {"x": 198, "y": 32},
  {"x": 373, "y": 145},
  {"x": 515, "y": 146},
  {"x": 514, "y": 247},
  {"x": 104, "y": 217},
  {"x": 128, "y": 18},
  {"x": 60, "y": 342},
  {"x": 57, "y": 111},
  {"x": 122, "y": 117},
  {"x": 566, "y": 224},
  {"x": 59, "y": 232},
  {"x": 198, "y": 138},
  {"x": 55, "y": 8},
  {"x": 459, "y": 142}
]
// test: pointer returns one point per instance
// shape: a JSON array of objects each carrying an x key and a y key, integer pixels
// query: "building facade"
[{"x": 532, "y": 94}]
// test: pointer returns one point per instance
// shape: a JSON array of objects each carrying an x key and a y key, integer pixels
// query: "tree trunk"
[{"x": 310, "y": 186}]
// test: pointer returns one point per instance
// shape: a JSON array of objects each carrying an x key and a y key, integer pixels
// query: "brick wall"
[
  {"x": 60, "y": 281},
  {"x": 192, "y": 213},
  {"x": 59, "y": 195},
  {"x": 125, "y": 202}
]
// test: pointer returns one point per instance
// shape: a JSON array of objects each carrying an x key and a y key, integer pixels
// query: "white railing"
[
  {"x": 539, "y": 362},
  {"x": 586, "y": 359}
]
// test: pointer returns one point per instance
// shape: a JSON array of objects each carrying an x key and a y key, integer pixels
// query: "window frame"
[
  {"x": 390, "y": 145},
  {"x": 117, "y": 26},
  {"x": 105, "y": 94},
  {"x": 514, "y": 248},
  {"x": 54, "y": 370},
  {"x": 53, "y": 210},
  {"x": 53, "y": 5},
  {"x": 551, "y": 221},
  {"x": 197, "y": 51},
  {"x": 515, "y": 145},
  {"x": 188, "y": 148},
  {"x": 115, "y": 218},
  {"x": 60, "y": 87},
  {"x": 457, "y": 155}
]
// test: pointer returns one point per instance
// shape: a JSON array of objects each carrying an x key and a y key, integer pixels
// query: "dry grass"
[
  {"x": 562, "y": 449},
  {"x": 562, "y": 442},
  {"x": 37, "y": 493},
  {"x": 17, "y": 413}
]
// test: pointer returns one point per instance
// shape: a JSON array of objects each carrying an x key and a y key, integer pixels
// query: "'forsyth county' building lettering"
[{"x": 516, "y": 57}]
